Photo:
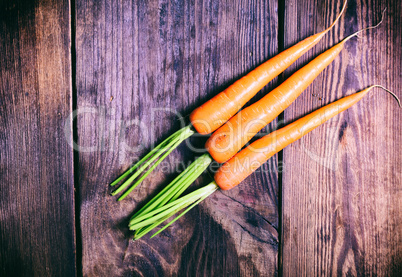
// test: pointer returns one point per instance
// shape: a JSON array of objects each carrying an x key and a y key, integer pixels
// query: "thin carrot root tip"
[
  {"x": 390, "y": 92},
  {"x": 151, "y": 160},
  {"x": 339, "y": 16},
  {"x": 368, "y": 28}
]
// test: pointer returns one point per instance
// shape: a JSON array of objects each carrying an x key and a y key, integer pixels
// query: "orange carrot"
[
  {"x": 211, "y": 115},
  {"x": 252, "y": 157},
  {"x": 167, "y": 202},
  {"x": 235, "y": 133}
]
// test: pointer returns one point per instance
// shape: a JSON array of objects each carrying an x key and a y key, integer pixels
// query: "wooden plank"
[
  {"x": 132, "y": 59},
  {"x": 36, "y": 162},
  {"x": 341, "y": 183}
]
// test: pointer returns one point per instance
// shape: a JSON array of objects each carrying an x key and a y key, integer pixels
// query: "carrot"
[
  {"x": 235, "y": 133},
  {"x": 211, "y": 115},
  {"x": 237, "y": 168},
  {"x": 252, "y": 157}
]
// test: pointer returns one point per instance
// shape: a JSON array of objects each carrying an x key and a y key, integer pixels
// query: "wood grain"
[
  {"x": 341, "y": 183},
  {"x": 36, "y": 161},
  {"x": 141, "y": 68},
  {"x": 132, "y": 59}
]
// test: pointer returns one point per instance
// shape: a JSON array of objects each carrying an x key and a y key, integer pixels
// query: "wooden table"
[{"x": 103, "y": 76}]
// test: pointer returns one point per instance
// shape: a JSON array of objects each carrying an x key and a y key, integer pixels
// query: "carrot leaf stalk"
[
  {"x": 156, "y": 156},
  {"x": 173, "y": 190},
  {"x": 169, "y": 194},
  {"x": 153, "y": 218}
]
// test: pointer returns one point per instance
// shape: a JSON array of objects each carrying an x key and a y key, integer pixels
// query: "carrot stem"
[
  {"x": 139, "y": 233},
  {"x": 140, "y": 162},
  {"x": 154, "y": 215},
  {"x": 167, "y": 211},
  {"x": 174, "y": 146},
  {"x": 183, "y": 213},
  {"x": 159, "y": 153},
  {"x": 172, "y": 191}
]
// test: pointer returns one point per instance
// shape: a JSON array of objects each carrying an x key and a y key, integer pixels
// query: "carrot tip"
[
  {"x": 365, "y": 29},
  {"x": 337, "y": 18},
  {"x": 390, "y": 92}
]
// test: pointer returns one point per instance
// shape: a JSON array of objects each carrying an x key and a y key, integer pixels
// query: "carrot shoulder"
[
  {"x": 211, "y": 115},
  {"x": 252, "y": 157}
]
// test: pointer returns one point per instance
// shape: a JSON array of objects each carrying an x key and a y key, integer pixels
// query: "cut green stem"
[
  {"x": 183, "y": 213},
  {"x": 139, "y": 233},
  {"x": 148, "y": 171},
  {"x": 140, "y": 162},
  {"x": 159, "y": 153},
  {"x": 167, "y": 203},
  {"x": 172, "y": 191},
  {"x": 157, "y": 216},
  {"x": 167, "y": 206},
  {"x": 159, "y": 213}
]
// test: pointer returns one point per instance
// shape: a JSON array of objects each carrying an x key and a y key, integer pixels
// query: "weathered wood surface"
[
  {"x": 341, "y": 205},
  {"x": 143, "y": 65},
  {"x": 36, "y": 161},
  {"x": 132, "y": 59}
]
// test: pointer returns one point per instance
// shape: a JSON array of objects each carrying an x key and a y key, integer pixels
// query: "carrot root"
[
  {"x": 244, "y": 163},
  {"x": 356, "y": 34},
  {"x": 387, "y": 90},
  {"x": 208, "y": 118}
]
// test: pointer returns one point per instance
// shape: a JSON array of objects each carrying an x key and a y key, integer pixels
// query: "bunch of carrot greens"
[{"x": 233, "y": 131}]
